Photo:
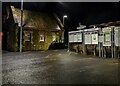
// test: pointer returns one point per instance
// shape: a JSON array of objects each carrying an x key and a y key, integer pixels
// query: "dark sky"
[{"x": 85, "y": 12}]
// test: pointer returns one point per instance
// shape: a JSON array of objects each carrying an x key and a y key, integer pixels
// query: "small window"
[
  {"x": 27, "y": 36},
  {"x": 42, "y": 38}
]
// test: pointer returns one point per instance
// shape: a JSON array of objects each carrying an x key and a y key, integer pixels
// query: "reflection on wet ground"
[{"x": 57, "y": 67}]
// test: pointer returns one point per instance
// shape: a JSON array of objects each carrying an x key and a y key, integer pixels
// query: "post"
[
  {"x": 1, "y": 44},
  {"x": 63, "y": 31},
  {"x": 1, "y": 23},
  {"x": 112, "y": 43},
  {"x": 99, "y": 42},
  {"x": 114, "y": 50},
  {"x": 102, "y": 49},
  {"x": 21, "y": 26},
  {"x": 68, "y": 43},
  {"x": 118, "y": 53},
  {"x": 99, "y": 49},
  {"x": 65, "y": 16},
  {"x": 63, "y": 20},
  {"x": 83, "y": 43}
]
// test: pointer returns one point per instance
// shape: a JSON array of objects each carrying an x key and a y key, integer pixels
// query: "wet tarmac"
[{"x": 57, "y": 67}]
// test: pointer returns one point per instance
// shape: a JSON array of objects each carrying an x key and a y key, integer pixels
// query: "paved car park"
[{"x": 57, "y": 67}]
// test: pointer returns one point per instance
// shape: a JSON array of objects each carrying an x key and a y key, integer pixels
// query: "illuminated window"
[
  {"x": 54, "y": 37},
  {"x": 42, "y": 38},
  {"x": 27, "y": 36}
]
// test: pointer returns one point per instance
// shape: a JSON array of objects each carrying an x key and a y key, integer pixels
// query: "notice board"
[
  {"x": 95, "y": 38},
  {"x": 117, "y": 36},
  {"x": 71, "y": 38},
  {"x": 79, "y": 37},
  {"x": 107, "y": 36},
  {"x": 88, "y": 38},
  {"x": 75, "y": 37}
]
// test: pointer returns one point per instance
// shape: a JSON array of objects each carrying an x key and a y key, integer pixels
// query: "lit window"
[
  {"x": 54, "y": 37},
  {"x": 27, "y": 36},
  {"x": 42, "y": 38}
]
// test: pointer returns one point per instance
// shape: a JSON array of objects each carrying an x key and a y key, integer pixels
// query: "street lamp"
[
  {"x": 21, "y": 26},
  {"x": 65, "y": 16}
]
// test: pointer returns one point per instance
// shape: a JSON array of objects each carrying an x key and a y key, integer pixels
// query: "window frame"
[
  {"x": 27, "y": 36},
  {"x": 43, "y": 38}
]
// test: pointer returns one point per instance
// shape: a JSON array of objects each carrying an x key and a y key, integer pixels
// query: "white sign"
[
  {"x": 88, "y": 38},
  {"x": 79, "y": 37},
  {"x": 94, "y": 38},
  {"x": 75, "y": 37},
  {"x": 107, "y": 36},
  {"x": 71, "y": 37},
  {"x": 117, "y": 36},
  {"x": 107, "y": 39}
]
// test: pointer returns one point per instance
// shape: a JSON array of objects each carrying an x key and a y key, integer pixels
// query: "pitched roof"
[
  {"x": 37, "y": 20},
  {"x": 117, "y": 23}
]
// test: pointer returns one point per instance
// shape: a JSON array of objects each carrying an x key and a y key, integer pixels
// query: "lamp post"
[
  {"x": 21, "y": 26},
  {"x": 65, "y": 16}
]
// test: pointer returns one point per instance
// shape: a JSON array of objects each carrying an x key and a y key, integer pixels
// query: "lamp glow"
[{"x": 65, "y": 16}]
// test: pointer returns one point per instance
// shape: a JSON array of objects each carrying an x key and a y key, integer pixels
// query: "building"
[{"x": 40, "y": 30}]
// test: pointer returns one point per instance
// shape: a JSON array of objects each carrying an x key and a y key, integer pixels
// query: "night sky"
[{"x": 86, "y": 13}]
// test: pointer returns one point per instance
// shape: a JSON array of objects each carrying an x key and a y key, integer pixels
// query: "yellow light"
[{"x": 12, "y": 7}]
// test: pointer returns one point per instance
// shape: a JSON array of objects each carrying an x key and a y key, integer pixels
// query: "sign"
[
  {"x": 75, "y": 37},
  {"x": 117, "y": 36},
  {"x": 107, "y": 39},
  {"x": 107, "y": 36},
  {"x": 79, "y": 37},
  {"x": 71, "y": 37},
  {"x": 94, "y": 38},
  {"x": 88, "y": 38}
]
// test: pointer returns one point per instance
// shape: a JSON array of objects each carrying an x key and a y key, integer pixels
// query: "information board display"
[
  {"x": 107, "y": 36},
  {"x": 79, "y": 37},
  {"x": 71, "y": 38},
  {"x": 88, "y": 38},
  {"x": 117, "y": 36},
  {"x": 75, "y": 37},
  {"x": 94, "y": 38}
]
